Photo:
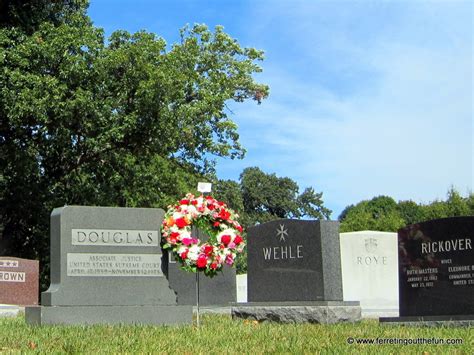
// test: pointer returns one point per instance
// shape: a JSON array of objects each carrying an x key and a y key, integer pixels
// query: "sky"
[{"x": 367, "y": 98}]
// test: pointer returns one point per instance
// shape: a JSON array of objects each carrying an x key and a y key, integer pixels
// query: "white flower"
[
  {"x": 184, "y": 234},
  {"x": 191, "y": 211},
  {"x": 194, "y": 252},
  {"x": 182, "y": 249},
  {"x": 177, "y": 215}
]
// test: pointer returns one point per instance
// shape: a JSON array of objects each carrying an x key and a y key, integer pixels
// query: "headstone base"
[
  {"x": 324, "y": 312},
  {"x": 430, "y": 321},
  {"x": 39, "y": 315}
]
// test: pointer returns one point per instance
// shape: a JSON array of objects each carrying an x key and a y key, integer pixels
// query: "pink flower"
[
  {"x": 188, "y": 241},
  {"x": 229, "y": 259}
]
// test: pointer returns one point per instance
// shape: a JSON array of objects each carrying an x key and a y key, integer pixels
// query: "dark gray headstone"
[
  {"x": 219, "y": 290},
  {"x": 106, "y": 267},
  {"x": 294, "y": 260},
  {"x": 436, "y": 268},
  {"x": 436, "y": 272}
]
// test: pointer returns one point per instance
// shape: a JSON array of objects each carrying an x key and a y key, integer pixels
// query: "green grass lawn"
[{"x": 221, "y": 334}]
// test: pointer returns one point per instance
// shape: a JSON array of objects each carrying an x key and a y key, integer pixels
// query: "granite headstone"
[
  {"x": 106, "y": 267},
  {"x": 369, "y": 261},
  {"x": 219, "y": 290},
  {"x": 294, "y": 274},
  {"x": 19, "y": 283},
  {"x": 294, "y": 260},
  {"x": 436, "y": 271}
]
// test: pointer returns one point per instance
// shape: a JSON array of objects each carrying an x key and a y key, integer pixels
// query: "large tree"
[
  {"x": 126, "y": 122},
  {"x": 380, "y": 213}
]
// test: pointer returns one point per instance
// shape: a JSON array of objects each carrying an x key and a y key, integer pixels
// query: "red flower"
[
  {"x": 238, "y": 239},
  {"x": 184, "y": 254},
  {"x": 181, "y": 222},
  {"x": 224, "y": 215},
  {"x": 214, "y": 266},
  {"x": 201, "y": 261},
  {"x": 225, "y": 239},
  {"x": 208, "y": 249},
  {"x": 211, "y": 206},
  {"x": 217, "y": 224},
  {"x": 194, "y": 202},
  {"x": 239, "y": 228},
  {"x": 173, "y": 238},
  {"x": 184, "y": 202}
]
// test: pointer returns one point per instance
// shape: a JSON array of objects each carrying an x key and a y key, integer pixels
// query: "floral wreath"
[{"x": 216, "y": 220}]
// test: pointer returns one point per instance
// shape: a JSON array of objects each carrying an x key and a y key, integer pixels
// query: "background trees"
[{"x": 384, "y": 214}]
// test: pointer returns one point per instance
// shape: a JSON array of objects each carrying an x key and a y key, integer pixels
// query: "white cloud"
[{"x": 397, "y": 121}]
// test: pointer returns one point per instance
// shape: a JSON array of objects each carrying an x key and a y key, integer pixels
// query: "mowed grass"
[{"x": 221, "y": 334}]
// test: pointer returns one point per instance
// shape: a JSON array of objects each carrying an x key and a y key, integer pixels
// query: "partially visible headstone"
[
  {"x": 106, "y": 267},
  {"x": 8, "y": 310},
  {"x": 19, "y": 281},
  {"x": 241, "y": 288},
  {"x": 369, "y": 261},
  {"x": 219, "y": 290},
  {"x": 294, "y": 260},
  {"x": 436, "y": 271}
]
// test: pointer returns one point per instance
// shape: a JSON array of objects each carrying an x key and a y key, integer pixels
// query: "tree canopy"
[
  {"x": 131, "y": 121},
  {"x": 384, "y": 214},
  {"x": 262, "y": 197}
]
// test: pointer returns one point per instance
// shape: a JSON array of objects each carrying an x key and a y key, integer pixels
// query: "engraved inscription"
[
  {"x": 82, "y": 264},
  {"x": 115, "y": 237},
  {"x": 8, "y": 276}
]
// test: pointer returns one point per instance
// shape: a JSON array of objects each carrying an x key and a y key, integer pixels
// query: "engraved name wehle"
[
  {"x": 283, "y": 252},
  {"x": 114, "y": 237},
  {"x": 446, "y": 246}
]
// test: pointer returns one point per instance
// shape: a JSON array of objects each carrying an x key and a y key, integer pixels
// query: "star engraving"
[{"x": 282, "y": 232}]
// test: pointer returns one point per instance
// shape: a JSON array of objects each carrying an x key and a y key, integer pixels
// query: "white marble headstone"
[
  {"x": 241, "y": 281},
  {"x": 369, "y": 261}
]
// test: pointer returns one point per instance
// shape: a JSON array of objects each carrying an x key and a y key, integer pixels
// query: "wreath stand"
[{"x": 197, "y": 299}]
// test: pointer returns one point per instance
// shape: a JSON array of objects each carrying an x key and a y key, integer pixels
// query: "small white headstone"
[
  {"x": 369, "y": 262},
  {"x": 241, "y": 288}
]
